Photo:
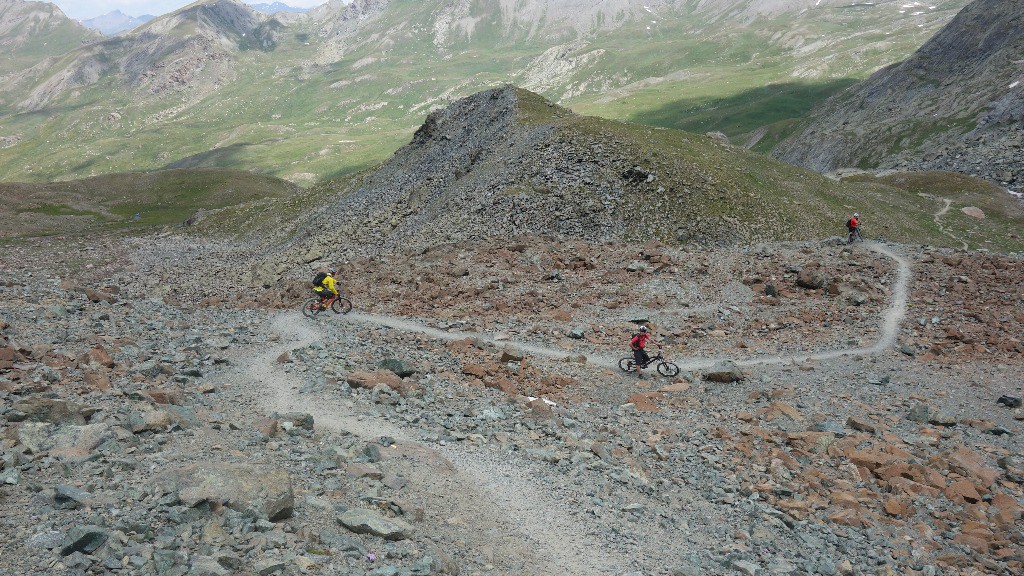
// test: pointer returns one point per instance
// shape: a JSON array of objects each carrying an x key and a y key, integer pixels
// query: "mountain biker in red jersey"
[
  {"x": 637, "y": 344},
  {"x": 852, "y": 225}
]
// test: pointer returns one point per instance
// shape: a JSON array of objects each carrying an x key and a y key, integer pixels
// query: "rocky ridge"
[{"x": 957, "y": 104}]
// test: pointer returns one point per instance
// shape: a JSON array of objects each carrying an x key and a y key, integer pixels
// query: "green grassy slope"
[
  {"x": 129, "y": 202},
  {"x": 304, "y": 111}
]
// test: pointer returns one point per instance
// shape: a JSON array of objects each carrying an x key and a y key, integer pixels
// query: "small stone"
[
  {"x": 860, "y": 424},
  {"x": 942, "y": 419},
  {"x": 400, "y": 368},
  {"x": 266, "y": 566},
  {"x": 1010, "y": 401},
  {"x": 49, "y": 540},
  {"x": 726, "y": 372},
  {"x": 918, "y": 413},
  {"x": 68, "y": 497},
  {"x": 748, "y": 568},
  {"x": 85, "y": 539}
]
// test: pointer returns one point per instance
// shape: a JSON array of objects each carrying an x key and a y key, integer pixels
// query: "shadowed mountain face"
[{"x": 956, "y": 104}]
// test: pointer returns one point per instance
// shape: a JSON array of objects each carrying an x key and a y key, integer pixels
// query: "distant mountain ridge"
[
  {"x": 32, "y": 32},
  {"x": 336, "y": 89},
  {"x": 275, "y": 7},
  {"x": 956, "y": 104},
  {"x": 115, "y": 22}
]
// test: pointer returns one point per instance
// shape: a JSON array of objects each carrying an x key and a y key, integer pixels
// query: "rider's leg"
[{"x": 639, "y": 361}]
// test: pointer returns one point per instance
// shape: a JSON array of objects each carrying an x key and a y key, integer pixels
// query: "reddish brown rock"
[
  {"x": 963, "y": 491},
  {"x": 370, "y": 380},
  {"x": 99, "y": 296},
  {"x": 777, "y": 410},
  {"x": 98, "y": 356},
  {"x": 540, "y": 409},
  {"x": 645, "y": 401},
  {"x": 267, "y": 426},
  {"x": 96, "y": 380},
  {"x": 474, "y": 370},
  {"x": 968, "y": 463},
  {"x": 162, "y": 396}
]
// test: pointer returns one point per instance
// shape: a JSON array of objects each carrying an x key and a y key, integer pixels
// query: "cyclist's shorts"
[{"x": 640, "y": 357}]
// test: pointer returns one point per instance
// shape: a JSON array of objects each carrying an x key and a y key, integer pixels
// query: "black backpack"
[{"x": 318, "y": 280}]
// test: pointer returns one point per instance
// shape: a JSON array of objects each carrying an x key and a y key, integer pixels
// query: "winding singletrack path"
[
  {"x": 888, "y": 330},
  {"x": 487, "y": 499}
]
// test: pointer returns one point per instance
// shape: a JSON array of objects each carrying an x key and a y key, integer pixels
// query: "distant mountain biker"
[
  {"x": 853, "y": 225},
  {"x": 324, "y": 286},
  {"x": 637, "y": 344}
]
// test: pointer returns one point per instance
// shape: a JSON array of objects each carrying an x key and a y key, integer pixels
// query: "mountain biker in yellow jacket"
[{"x": 326, "y": 288}]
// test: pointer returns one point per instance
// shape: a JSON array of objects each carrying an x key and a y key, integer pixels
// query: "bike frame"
[{"x": 652, "y": 359}]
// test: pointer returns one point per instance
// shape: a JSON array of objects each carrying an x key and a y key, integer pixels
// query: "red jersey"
[{"x": 640, "y": 340}]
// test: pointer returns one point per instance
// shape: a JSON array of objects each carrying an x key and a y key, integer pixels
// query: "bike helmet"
[
  {"x": 331, "y": 270},
  {"x": 643, "y": 328},
  {"x": 856, "y": 214}
]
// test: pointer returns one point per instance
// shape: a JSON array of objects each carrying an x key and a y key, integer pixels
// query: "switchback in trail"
[
  {"x": 492, "y": 500},
  {"x": 888, "y": 330}
]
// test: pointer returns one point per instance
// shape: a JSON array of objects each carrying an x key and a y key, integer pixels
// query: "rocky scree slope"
[
  {"x": 114, "y": 409},
  {"x": 506, "y": 162},
  {"x": 957, "y": 104}
]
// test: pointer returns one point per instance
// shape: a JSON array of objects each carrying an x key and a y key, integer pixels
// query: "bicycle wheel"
[
  {"x": 627, "y": 364},
  {"x": 341, "y": 306},
  {"x": 667, "y": 369},
  {"x": 311, "y": 307}
]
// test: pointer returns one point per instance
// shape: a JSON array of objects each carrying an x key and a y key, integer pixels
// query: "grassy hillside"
[
  {"x": 127, "y": 202},
  {"x": 310, "y": 107}
]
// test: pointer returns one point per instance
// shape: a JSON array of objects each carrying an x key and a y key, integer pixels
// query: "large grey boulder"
[
  {"x": 46, "y": 437},
  {"x": 363, "y": 521},
  {"x": 258, "y": 491}
]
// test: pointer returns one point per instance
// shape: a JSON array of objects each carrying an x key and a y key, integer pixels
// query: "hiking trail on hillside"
[
  {"x": 489, "y": 501},
  {"x": 888, "y": 331}
]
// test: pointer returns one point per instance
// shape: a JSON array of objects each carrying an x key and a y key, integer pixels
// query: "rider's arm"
[{"x": 329, "y": 284}]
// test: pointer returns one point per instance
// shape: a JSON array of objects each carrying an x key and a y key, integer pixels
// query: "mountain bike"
[
  {"x": 338, "y": 304},
  {"x": 854, "y": 235},
  {"x": 665, "y": 368}
]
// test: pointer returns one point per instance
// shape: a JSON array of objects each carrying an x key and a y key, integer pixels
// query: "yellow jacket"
[{"x": 328, "y": 284}]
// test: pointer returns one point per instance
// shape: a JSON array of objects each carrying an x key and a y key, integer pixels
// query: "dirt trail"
[
  {"x": 488, "y": 500},
  {"x": 937, "y": 218},
  {"x": 888, "y": 330}
]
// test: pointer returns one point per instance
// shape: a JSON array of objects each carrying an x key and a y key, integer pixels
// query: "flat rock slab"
[
  {"x": 259, "y": 491},
  {"x": 363, "y": 521},
  {"x": 45, "y": 437}
]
